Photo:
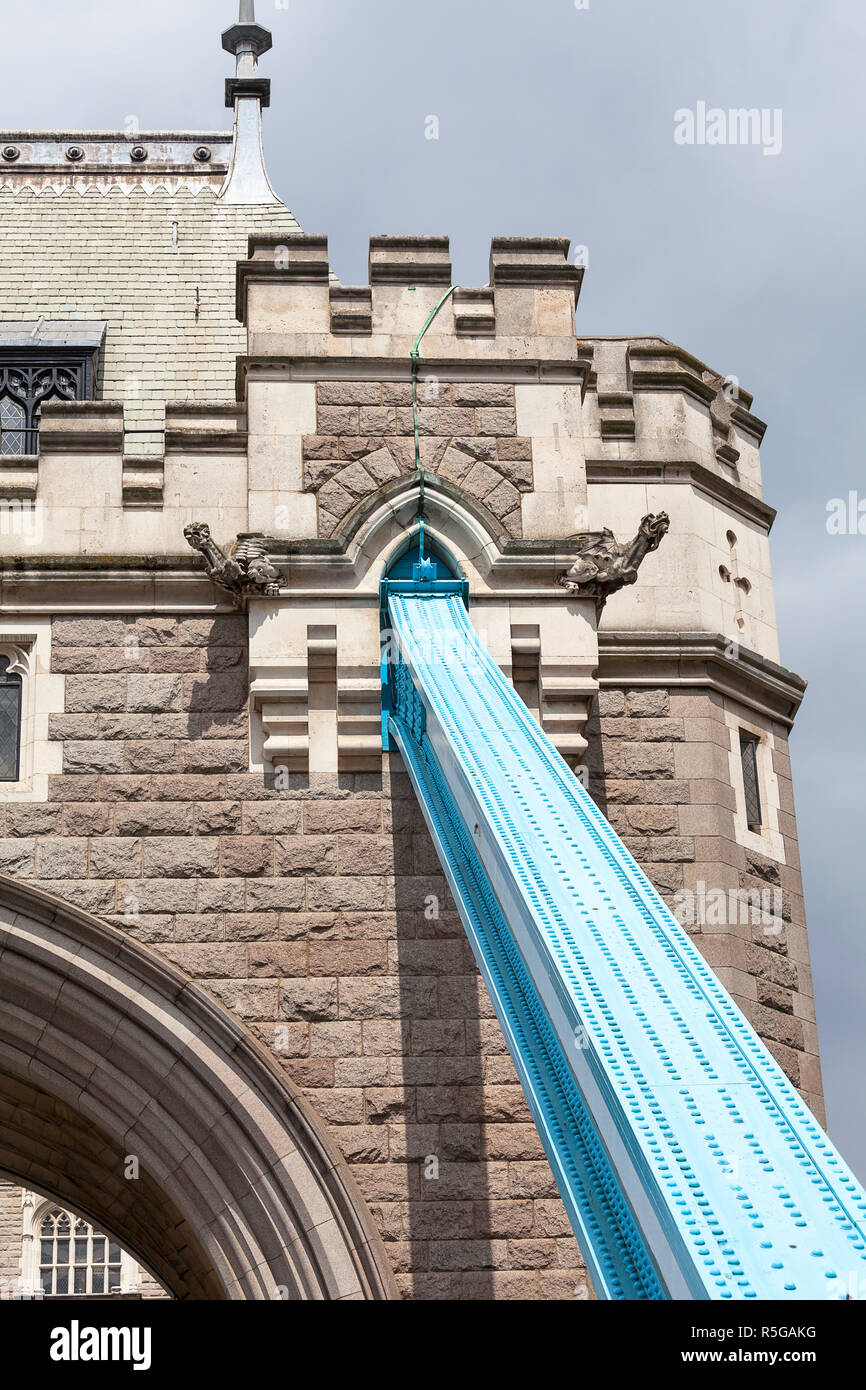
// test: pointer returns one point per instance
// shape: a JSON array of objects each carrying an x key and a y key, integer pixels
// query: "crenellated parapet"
[
  {"x": 651, "y": 402},
  {"x": 526, "y": 311},
  {"x": 498, "y": 382}
]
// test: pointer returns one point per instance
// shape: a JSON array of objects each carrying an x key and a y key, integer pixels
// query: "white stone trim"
[
  {"x": 769, "y": 840},
  {"x": 28, "y": 645}
]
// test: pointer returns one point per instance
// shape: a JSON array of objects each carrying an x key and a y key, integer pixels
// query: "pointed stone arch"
[
  {"x": 108, "y": 1052},
  {"x": 462, "y": 526}
]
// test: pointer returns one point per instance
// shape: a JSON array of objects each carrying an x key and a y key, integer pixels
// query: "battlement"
[{"x": 285, "y": 296}]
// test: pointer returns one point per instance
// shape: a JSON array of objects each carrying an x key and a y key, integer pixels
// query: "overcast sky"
[{"x": 559, "y": 119}]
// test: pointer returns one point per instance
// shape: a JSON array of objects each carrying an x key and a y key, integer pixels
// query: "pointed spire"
[{"x": 247, "y": 180}]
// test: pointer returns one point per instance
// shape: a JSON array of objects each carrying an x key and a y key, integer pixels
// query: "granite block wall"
[
  {"x": 659, "y": 769},
  {"x": 10, "y": 1236},
  {"x": 318, "y": 915}
]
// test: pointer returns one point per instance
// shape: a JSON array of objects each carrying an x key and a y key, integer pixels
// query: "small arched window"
[
  {"x": 10, "y": 722},
  {"x": 74, "y": 1258}
]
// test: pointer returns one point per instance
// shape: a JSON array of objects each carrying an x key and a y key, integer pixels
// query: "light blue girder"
[{"x": 689, "y": 1165}]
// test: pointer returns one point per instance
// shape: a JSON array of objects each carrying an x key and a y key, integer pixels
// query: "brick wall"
[
  {"x": 311, "y": 913},
  {"x": 659, "y": 769},
  {"x": 366, "y": 438}
]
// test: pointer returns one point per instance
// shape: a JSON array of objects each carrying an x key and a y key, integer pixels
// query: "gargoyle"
[
  {"x": 245, "y": 570},
  {"x": 604, "y": 565}
]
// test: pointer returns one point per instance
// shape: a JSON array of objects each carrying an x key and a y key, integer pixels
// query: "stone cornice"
[
  {"x": 687, "y": 471},
  {"x": 553, "y": 371},
  {"x": 50, "y": 584},
  {"x": 700, "y": 659},
  {"x": 206, "y": 441},
  {"x": 659, "y": 365},
  {"x": 81, "y": 427},
  {"x": 120, "y": 136}
]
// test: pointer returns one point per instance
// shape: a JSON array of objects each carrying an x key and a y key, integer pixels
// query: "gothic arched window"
[
  {"x": 74, "y": 1258},
  {"x": 28, "y": 378},
  {"x": 10, "y": 722}
]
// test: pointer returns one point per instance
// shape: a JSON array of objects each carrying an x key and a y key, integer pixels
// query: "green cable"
[{"x": 415, "y": 355}]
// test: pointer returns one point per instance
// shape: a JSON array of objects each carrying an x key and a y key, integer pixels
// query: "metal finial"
[
  {"x": 247, "y": 180},
  {"x": 246, "y": 35}
]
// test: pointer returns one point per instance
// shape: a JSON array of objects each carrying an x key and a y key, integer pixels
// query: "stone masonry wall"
[
  {"x": 10, "y": 1235},
  {"x": 319, "y": 917},
  {"x": 366, "y": 439},
  {"x": 658, "y": 768}
]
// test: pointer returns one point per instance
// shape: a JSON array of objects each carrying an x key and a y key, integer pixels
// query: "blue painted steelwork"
[
  {"x": 413, "y": 572},
  {"x": 689, "y": 1165}
]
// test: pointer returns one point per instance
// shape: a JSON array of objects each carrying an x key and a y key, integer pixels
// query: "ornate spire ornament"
[{"x": 247, "y": 181}]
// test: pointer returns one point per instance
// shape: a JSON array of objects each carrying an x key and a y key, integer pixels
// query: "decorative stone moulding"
[
  {"x": 247, "y": 36},
  {"x": 111, "y": 159},
  {"x": 262, "y": 1208},
  {"x": 611, "y": 377},
  {"x": 143, "y": 481}
]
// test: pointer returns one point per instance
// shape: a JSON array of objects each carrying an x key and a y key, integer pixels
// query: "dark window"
[
  {"x": 27, "y": 379},
  {"x": 749, "y": 759},
  {"x": 10, "y": 722}
]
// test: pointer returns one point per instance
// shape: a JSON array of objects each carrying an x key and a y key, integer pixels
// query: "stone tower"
[{"x": 206, "y": 849}]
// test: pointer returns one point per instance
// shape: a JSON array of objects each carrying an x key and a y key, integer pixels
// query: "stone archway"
[{"x": 106, "y": 1052}]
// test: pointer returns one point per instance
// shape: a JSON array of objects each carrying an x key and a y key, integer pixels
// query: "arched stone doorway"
[{"x": 108, "y": 1053}]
